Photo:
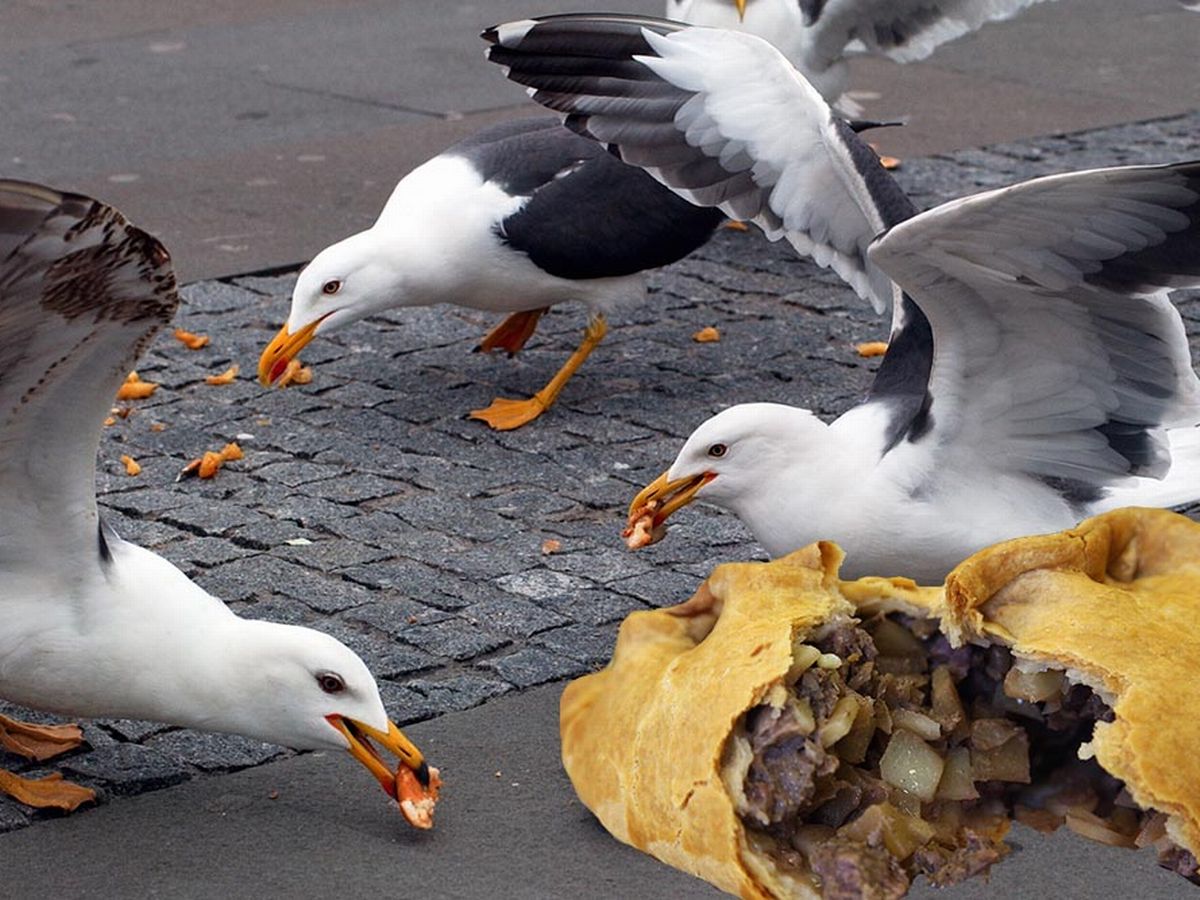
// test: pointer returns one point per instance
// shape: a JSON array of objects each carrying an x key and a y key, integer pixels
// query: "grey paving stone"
[
  {"x": 586, "y": 643},
  {"x": 128, "y": 768},
  {"x": 512, "y": 616},
  {"x": 533, "y": 665},
  {"x": 215, "y": 752}
]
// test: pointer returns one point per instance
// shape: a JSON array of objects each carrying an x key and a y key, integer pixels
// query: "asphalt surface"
[{"x": 366, "y": 505}]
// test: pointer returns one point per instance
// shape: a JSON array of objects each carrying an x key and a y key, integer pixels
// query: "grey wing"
[
  {"x": 903, "y": 30},
  {"x": 1057, "y": 352},
  {"x": 81, "y": 294},
  {"x": 721, "y": 118}
]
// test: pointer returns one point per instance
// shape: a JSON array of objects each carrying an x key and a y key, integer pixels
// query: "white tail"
[{"x": 1181, "y": 485}]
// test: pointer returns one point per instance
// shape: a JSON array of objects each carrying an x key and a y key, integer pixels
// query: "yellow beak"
[
  {"x": 741, "y": 8},
  {"x": 662, "y": 497},
  {"x": 282, "y": 350},
  {"x": 394, "y": 741}
]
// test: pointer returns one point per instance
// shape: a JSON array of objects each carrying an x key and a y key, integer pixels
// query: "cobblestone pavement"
[{"x": 368, "y": 507}]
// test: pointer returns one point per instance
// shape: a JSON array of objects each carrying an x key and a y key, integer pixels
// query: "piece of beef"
[
  {"x": 945, "y": 867},
  {"x": 956, "y": 659},
  {"x": 1181, "y": 862},
  {"x": 822, "y": 688},
  {"x": 782, "y": 778},
  {"x": 850, "y": 870}
]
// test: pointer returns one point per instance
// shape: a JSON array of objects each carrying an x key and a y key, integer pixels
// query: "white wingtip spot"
[{"x": 510, "y": 34}]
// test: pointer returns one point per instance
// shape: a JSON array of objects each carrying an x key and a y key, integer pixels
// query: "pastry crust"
[{"x": 647, "y": 741}]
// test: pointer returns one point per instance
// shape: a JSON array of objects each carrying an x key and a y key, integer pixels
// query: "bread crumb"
[
  {"x": 136, "y": 389},
  {"x": 870, "y": 349},
  {"x": 191, "y": 341},
  {"x": 707, "y": 335},
  {"x": 131, "y": 466},
  {"x": 225, "y": 377},
  {"x": 550, "y": 545}
]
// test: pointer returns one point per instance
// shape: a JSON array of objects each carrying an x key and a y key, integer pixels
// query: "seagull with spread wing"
[
  {"x": 1037, "y": 372},
  {"x": 91, "y": 625}
]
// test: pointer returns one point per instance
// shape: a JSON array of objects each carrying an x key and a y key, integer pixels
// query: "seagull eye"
[
  {"x": 716, "y": 451},
  {"x": 331, "y": 682},
  {"x": 331, "y": 287}
]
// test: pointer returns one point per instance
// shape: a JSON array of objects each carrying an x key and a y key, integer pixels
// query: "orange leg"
[
  {"x": 505, "y": 415},
  {"x": 513, "y": 332},
  {"x": 40, "y": 742},
  {"x": 50, "y": 792}
]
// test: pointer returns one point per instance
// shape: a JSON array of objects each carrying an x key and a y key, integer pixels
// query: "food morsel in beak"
[
  {"x": 282, "y": 350},
  {"x": 657, "y": 501},
  {"x": 414, "y": 784}
]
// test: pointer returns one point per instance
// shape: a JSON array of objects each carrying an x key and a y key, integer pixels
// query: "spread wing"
[
  {"x": 903, "y": 30},
  {"x": 1056, "y": 350},
  {"x": 81, "y": 294},
  {"x": 721, "y": 118}
]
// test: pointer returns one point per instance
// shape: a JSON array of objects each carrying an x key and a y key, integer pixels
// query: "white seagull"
[
  {"x": 514, "y": 219},
  {"x": 91, "y": 625},
  {"x": 1037, "y": 372},
  {"x": 819, "y": 36}
]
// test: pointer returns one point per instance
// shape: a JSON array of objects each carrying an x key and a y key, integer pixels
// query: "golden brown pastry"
[{"x": 786, "y": 734}]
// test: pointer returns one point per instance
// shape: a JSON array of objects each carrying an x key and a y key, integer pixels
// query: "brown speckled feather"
[{"x": 82, "y": 293}]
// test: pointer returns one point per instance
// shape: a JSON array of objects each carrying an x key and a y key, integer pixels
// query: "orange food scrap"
[
  {"x": 871, "y": 348},
  {"x": 707, "y": 335},
  {"x": 131, "y": 465},
  {"x": 208, "y": 464},
  {"x": 225, "y": 377},
  {"x": 735, "y": 225},
  {"x": 295, "y": 373},
  {"x": 158, "y": 426},
  {"x": 417, "y": 801},
  {"x": 191, "y": 341},
  {"x": 550, "y": 545},
  {"x": 136, "y": 389},
  {"x": 109, "y": 421}
]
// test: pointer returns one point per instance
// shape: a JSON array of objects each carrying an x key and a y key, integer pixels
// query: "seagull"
[
  {"x": 1037, "y": 372},
  {"x": 514, "y": 219},
  {"x": 819, "y": 36},
  {"x": 93, "y": 625}
]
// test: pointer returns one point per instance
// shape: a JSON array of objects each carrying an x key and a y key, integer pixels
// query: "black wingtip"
[
  {"x": 491, "y": 35},
  {"x": 858, "y": 126}
]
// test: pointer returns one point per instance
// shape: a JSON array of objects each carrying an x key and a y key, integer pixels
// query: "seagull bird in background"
[
  {"x": 1037, "y": 372},
  {"x": 515, "y": 219},
  {"x": 819, "y": 36},
  {"x": 91, "y": 625}
]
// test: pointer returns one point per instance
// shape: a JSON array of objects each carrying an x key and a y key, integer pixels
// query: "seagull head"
[
  {"x": 307, "y": 690},
  {"x": 347, "y": 281},
  {"x": 736, "y": 460}
]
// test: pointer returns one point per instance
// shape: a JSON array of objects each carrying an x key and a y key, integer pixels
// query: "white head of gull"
[
  {"x": 1037, "y": 372},
  {"x": 92, "y": 624},
  {"x": 517, "y": 218}
]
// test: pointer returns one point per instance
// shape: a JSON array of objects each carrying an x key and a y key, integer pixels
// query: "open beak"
[
  {"x": 741, "y": 8},
  {"x": 282, "y": 350},
  {"x": 361, "y": 736},
  {"x": 661, "y": 497}
]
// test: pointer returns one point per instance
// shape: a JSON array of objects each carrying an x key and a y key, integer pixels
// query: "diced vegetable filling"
[{"x": 894, "y": 755}]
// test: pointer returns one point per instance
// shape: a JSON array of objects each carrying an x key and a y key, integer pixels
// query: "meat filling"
[{"x": 893, "y": 755}]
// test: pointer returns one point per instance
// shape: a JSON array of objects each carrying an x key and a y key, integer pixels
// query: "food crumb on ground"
[
  {"x": 208, "y": 464},
  {"x": 190, "y": 340},
  {"x": 131, "y": 465},
  {"x": 136, "y": 389},
  {"x": 550, "y": 545},
  {"x": 707, "y": 335},
  {"x": 225, "y": 377},
  {"x": 869, "y": 349},
  {"x": 295, "y": 373}
]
